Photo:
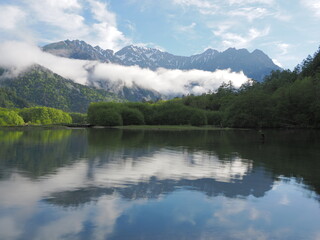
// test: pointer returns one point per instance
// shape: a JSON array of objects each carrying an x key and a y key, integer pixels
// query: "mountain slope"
[
  {"x": 255, "y": 65},
  {"x": 40, "y": 86},
  {"x": 9, "y": 99}
]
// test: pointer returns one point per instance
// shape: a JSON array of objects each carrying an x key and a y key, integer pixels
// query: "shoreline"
[
  {"x": 170, "y": 127},
  {"x": 143, "y": 127},
  {"x": 130, "y": 127}
]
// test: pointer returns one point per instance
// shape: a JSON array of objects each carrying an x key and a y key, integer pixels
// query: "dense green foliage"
[
  {"x": 41, "y": 87},
  {"x": 285, "y": 99},
  {"x": 9, "y": 99},
  {"x": 171, "y": 113},
  {"x": 131, "y": 116},
  {"x": 213, "y": 118},
  {"x": 10, "y": 118},
  {"x": 113, "y": 114},
  {"x": 107, "y": 117},
  {"x": 198, "y": 118},
  {"x": 146, "y": 109},
  {"x": 44, "y": 115},
  {"x": 39, "y": 115},
  {"x": 79, "y": 118},
  {"x": 161, "y": 113}
]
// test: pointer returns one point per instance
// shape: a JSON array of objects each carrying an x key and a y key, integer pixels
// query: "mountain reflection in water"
[{"x": 116, "y": 184}]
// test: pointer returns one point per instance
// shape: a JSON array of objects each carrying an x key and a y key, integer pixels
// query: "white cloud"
[
  {"x": 187, "y": 28},
  {"x": 10, "y": 17},
  {"x": 283, "y": 47},
  {"x": 131, "y": 26},
  {"x": 169, "y": 81},
  {"x": 246, "y": 2},
  {"x": 163, "y": 80},
  {"x": 11, "y": 53},
  {"x": 255, "y": 33},
  {"x": 203, "y": 6},
  {"x": 276, "y": 62},
  {"x": 63, "y": 19},
  {"x": 283, "y": 54},
  {"x": 251, "y": 13},
  {"x": 62, "y": 14},
  {"x": 101, "y": 13},
  {"x": 106, "y": 27},
  {"x": 313, "y": 5},
  {"x": 230, "y": 39},
  {"x": 195, "y": 3}
]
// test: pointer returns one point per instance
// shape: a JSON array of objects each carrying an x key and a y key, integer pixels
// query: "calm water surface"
[{"x": 114, "y": 184}]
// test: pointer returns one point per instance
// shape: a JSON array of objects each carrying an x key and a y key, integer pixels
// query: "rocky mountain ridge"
[{"x": 255, "y": 65}]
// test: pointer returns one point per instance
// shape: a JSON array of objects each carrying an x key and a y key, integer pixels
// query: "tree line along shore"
[{"x": 284, "y": 99}]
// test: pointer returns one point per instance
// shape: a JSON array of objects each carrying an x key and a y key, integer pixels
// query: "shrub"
[
  {"x": 10, "y": 118},
  {"x": 108, "y": 117},
  {"x": 242, "y": 120},
  {"x": 172, "y": 114},
  {"x": 44, "y": 115},
  {"x": 146, "y": 109},
  {"x": 198, "y": 118},
  {"x": 132, "y": 116},
  {"x": 214, "y": 118},
  {"x": 79, "y": 118},
  {"x": 95, "y": 108}
]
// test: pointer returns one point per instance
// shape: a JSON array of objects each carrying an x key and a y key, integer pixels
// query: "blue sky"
[{"x": 285, "y": 30}]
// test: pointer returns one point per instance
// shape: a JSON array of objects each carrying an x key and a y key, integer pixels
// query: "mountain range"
[
  {"x": 39, "y": 86},
  {"x": 256, "y": 65}
]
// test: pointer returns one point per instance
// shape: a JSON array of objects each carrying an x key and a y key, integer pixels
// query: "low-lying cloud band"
[{"x": 18, "y": 56}]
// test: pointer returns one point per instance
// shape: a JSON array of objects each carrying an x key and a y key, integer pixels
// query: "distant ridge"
[
  {"x": 38, "y": 86},
  {"x": 255, "y": 65}
]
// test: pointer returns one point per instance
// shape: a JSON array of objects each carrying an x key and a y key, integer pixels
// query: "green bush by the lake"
[
  {"x": 285, "y": 98},
  {"x": 214, "y": 118},
  {"x": 161, "y": 113},
  {"x": 107, "y": 117},
  {"x": 198, "y": 118},
  {"x": 79, "y": 118},
  {"x": 113, "y": 114},
  {"x": 44, "y": 115},
  {"x": 146, "y": 109},
  {"x": 10, "y": 118},
  {"x": 131, "y": 116}
]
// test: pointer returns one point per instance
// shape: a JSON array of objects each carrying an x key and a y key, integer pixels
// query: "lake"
[{"x": 144, "y": 184}]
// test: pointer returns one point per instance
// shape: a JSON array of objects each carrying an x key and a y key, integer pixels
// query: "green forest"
[
  {"x": 40, "y": 87},
  {"x": 33, "y": 116},
  {"x": 285, "y": 99}
]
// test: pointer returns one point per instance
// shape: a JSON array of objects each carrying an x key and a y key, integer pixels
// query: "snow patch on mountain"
[{"x": 255, "y": 65}]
